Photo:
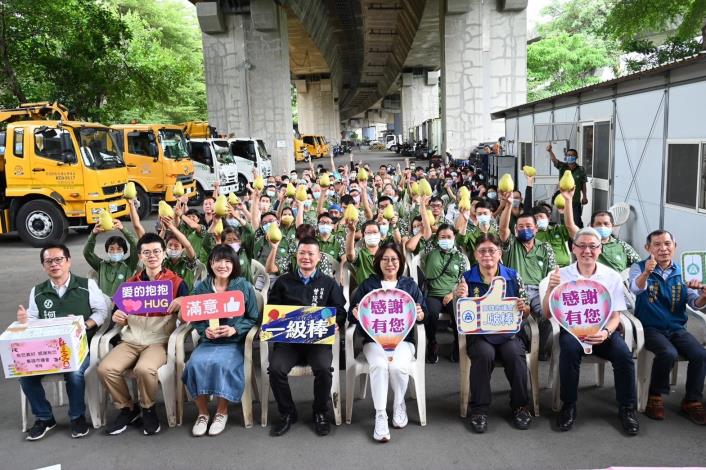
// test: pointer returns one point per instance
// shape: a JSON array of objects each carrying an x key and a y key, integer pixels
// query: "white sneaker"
[
  {"x": 218, "y": 424},
  {"x": 399, "y": 417},
  {"x": 200, "y": 426},
  {"x": 382, "y": 431}
]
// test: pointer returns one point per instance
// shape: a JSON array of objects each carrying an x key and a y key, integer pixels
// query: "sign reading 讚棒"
[
  {"x": 693, "y": 266},
  {"x": 140, "y": 298},
  {"x": 298, "y": 324},
  {"x": 387, "y": 316},
  {"x": 492, "y": 313},
  {"x": 581, "y": 307},
  {"x": 211, "y": 307}
]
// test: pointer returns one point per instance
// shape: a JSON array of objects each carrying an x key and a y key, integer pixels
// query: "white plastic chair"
[
  {"x": 92, "y": 390},
  {"x": 358, "y": 366},
  {"x": 621, "y": 214},
  {"x": 299, "y": 371},
  {"x": 260, "y": 276},
  {"x": 250, "y": 389},
  {"x": 165, "y": 374}
]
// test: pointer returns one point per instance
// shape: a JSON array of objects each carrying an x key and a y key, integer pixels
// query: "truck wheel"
[
  {"x": 145, "y": 208},
  {"x": 40, "y": 223},
  {"x": 242, "y": 185},
  {"x": 200, "y": 193}
]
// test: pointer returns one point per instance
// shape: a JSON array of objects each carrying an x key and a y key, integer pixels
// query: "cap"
[{"x": 335, "y": 207}]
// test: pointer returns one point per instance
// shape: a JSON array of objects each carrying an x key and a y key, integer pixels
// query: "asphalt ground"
[{"x": 446, "y": 442}]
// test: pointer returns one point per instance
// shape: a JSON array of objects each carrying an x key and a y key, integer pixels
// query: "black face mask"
[{"x": 334, "y": 220}]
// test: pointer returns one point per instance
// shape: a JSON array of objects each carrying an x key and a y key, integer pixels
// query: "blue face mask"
[
  {"x": 116, "y": 257},
  {"x": 446, "y": 243},
  {"x": 307, "y": 203},
  {"x": 384, "y": 229},
  {"x": 316, "y": 195},
  {"x": 604, "y": 232},
  {"x": 331, "y": 192},
  {"x": 266, "y": 227},
  {"x": 525, "y": 235},
  {"x": 233, "y": 223},
  {"x": 325, "y": 229},
  {"x": 570, "y": 159}
]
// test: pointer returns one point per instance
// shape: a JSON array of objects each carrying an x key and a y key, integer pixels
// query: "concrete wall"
[
  {"x": 318, "y": 112},
  {"x": 484, "y": 69},
  {"x": 248, "y": 86},
  {"x": 419, "y": 101}
]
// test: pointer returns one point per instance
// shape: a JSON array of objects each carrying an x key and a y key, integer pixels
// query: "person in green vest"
[
  {"x": 196, "y": 232},
  {"x": 580, "y": 178},
  {"x": 468, "y": 233},
  {"x": 557, "y": 235},
  {"x": 362, "y": 259},
  {"x": 331, "y": 243},
  {"x": 181, "y": 257},
  {"x": 119, "y": 266},
  {"x": 615, "y": 253},
  {"x": 63, "y": 294}
]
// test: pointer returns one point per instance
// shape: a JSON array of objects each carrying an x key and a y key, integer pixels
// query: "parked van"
[
  {"x": 213, "y": 162},
  {"x": 248, "y": 154}
]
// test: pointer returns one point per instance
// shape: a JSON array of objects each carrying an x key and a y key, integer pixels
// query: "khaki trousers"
[{"x": 144, "y": 361}]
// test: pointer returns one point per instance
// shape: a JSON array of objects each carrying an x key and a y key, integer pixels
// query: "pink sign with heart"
[
  {"x": 140, "y": 298},
  {"x": 387, "y": 316}
]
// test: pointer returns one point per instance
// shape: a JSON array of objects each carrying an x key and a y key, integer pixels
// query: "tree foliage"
[{"x": 107, "y": 60}]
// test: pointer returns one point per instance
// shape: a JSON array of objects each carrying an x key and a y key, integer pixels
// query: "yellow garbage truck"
[{"x": 56, "y": 174}]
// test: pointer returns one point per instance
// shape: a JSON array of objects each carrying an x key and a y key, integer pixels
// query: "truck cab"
[
  {"x": 213, "y": 162},
  {"x": 311, "y": 143},
  {"x": 249, "y": 154},
  {"x": 157, "y": 157},
  {"x": 56, "y": 175}
]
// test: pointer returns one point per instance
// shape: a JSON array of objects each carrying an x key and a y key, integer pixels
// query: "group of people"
[{"x": 533, "y": 246}]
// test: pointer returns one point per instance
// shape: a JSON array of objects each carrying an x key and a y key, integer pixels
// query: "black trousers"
[
  {"x": 667, "y": 347},
  {"x": 577, "y": 209},
  {"x": 436, "y": 306},
  {"x": 284, "y": 357},
  {"x": 483, "y": 355}
]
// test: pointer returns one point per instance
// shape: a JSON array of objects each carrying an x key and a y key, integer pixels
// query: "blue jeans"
[
  {"x": 667, "y": 346},
  {"x": 75, "y": 387},
  {"x": 612, "y": 349}
]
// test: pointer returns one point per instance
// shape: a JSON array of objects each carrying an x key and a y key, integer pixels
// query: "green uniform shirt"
[
  {"x": 534, "y": 265},
  {"x": 580, "y": 178},
  {"x": 111, "y": 275},
  {"x": 363, "y": 265},
  {"x": 557, "y": 236},
  {"x": 468, "y": 241},
  {"x": 182, "y": 267},
  {"x": 202, "y": 242},
  {"x": 617, "y": 254},
  {"x": 440, "y": 281},
  {"x": 335, "y": 246}
]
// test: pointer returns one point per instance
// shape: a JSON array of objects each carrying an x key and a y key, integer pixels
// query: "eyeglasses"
[
  {"x": 436, "y": 205},
  {"x": 51, "y": 261},
  {"x": 147, "y": 253},
  {"x": 390, "y": 260},
  {"x": 590, "y": 247},
  {"x": 487, "y": 251}
]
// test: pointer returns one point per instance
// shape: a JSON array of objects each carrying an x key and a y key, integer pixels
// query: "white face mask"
[
  {"x": 271, "y": 193},
  {"x": 316, "y": 195},
  {"x": 415, "y": 230},
  {"x": 483, "y": 219},
  {"x": 543, "y": 224},
  {"x": 235, "y": 246},
  {"x": 372, "y": 239},
  {"x": 307, "y": 203},
  {"x": 174, "y": 253},
  {"x": 384, "y": 229}
]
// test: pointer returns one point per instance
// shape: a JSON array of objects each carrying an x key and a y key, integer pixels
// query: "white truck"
[
  {"x": 250, "y": 153},
  {"x": 213, "y": 162}
]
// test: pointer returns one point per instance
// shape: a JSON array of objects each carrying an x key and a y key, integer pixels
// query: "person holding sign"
[
  {"x": 62, "y": 295},
  {"x": 483, "y": 349},
  {"x": 144, "y": 344},
  {"x": 306, "y": 286},
  {"x": 216, "y": 365},
  {"x": 661, "y": 300},
  {"x": 606, "y": 343},
  {"x": 389, "y": 266}
]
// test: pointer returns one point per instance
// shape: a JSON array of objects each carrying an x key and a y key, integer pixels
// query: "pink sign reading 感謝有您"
[
  {"x": 36, "y": 356},
  {"x": 387, "y": 316}
]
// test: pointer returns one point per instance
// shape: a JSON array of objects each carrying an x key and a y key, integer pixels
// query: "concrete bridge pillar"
[
  {"x": 246, "y": 59},
  {"x": 484, "y": 68},
  {"x": 318, "y": 109},
  {"x": 419, "y": 100}
]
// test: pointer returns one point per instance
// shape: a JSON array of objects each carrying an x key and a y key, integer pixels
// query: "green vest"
[{"x": 74, "y": 302}]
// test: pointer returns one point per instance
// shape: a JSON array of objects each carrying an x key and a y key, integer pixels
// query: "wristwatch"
[{"x": 608, "y": 330}]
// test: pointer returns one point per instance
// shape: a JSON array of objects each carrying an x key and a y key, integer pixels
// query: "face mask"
[
  {"x": 293, "y": 176},
  {"x": 394, "y": 199},
  {"x": 515, "y": 204},
  {"x": 325, "y": 229},
  {"x": 446, "y": 243},
  {"x": 235, "y": 246},
  {"x": 287, "y": 220},
  {"x": 317, "y": 195},
  {"x": 543, "y": 224},
  {"x": 356, "y": 199},
  {"x": 384, "y": 229},
  {"x": 266, "y": 227},
  {"x": 233, "y": 223},
  {"x": 174, "y": 253},
  {"x": 116, "y": 257},
  {"x": 604, "y": 232},
  {"x": 416, "y": 230},
  {"x": 483, "y": 219},
  {"x": 492, "y": 195},
  {"x": 271, "y": 193},
  {"x": 307, "y": 203},
  {"x": 331, "y": 192},
  {"x": 372, "y": 239},
  {"x": 525, "y": 235},
  {"x": 570, "y": 159}
]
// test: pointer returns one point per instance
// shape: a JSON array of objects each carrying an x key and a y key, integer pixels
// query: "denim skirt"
[{"x": 216, "y": 369}]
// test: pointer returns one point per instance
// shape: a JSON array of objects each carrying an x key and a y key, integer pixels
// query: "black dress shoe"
[
  {"x": 522, "y": 418},
  {"x": 479, "y": 423},
  {"x": 567, "y": 416},
  {"x": 628, "y": 418},
  {"x": 285, "y": 422},
  {"x": 321, "y": 424}
]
